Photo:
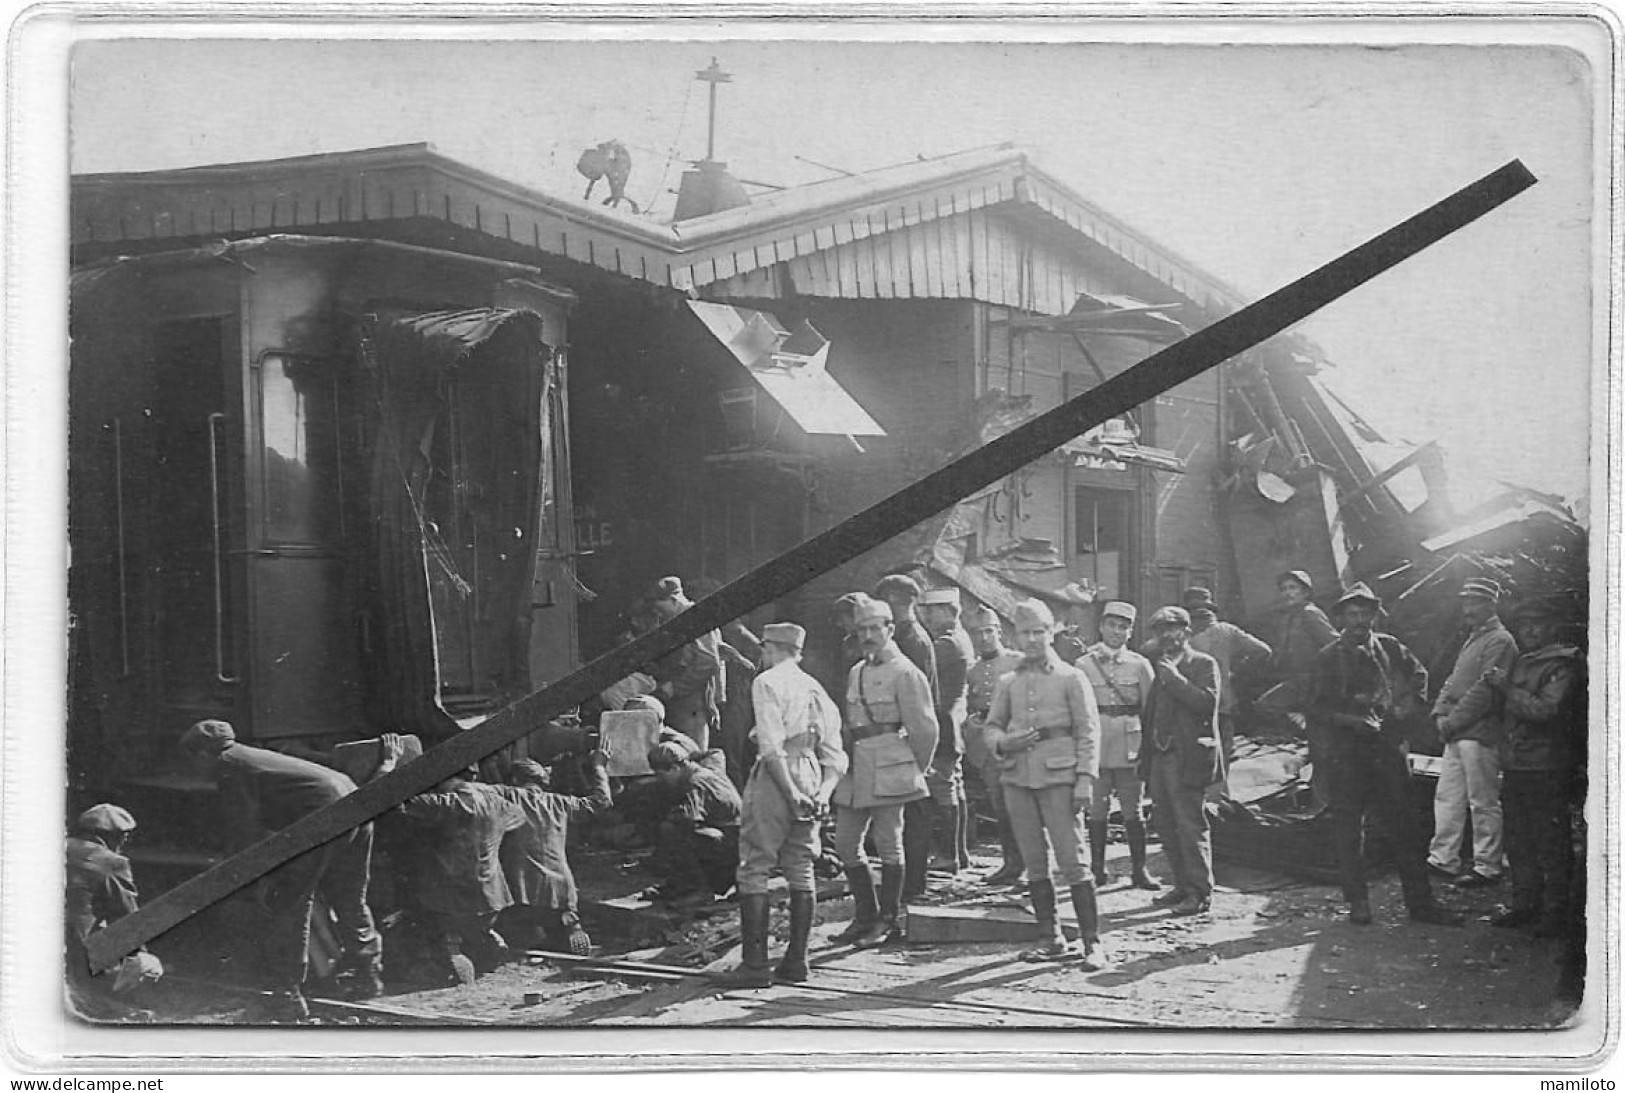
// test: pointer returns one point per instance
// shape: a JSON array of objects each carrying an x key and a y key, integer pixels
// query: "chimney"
[{"x": 707, "y": 189}]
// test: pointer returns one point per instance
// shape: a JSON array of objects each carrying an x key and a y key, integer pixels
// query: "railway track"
[{"x": 648, "y": 972}]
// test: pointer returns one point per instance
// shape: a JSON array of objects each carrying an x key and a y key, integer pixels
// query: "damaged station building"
[{"x": 375, "y": 441}]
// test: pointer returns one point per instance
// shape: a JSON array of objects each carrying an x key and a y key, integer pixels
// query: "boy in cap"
[
  {"x": 1544, "y": 695},
  {"x": 1180, "y": 758},
  {"x": 1364, "y": 686},
  {"x": 1471, "y": 725},
  {"x": 799, "y": 759},
  {"x": 946, "y": 778},
  {"x": 891, "y": 725},
  {"x": 100, "y": 891},
  {"x": 1120, "y": 679},
  {"x": 263, "y": 791},
  {"x": 690, "y": 679},
  {"x": 697, "y": 843},
  {"x": 534, "y": 856},
  {"x": 993, "y": 662},
  {"x": 1045, "y": 730}
]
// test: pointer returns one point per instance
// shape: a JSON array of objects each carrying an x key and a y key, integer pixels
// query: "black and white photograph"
[{"x": 831, "y": 525}]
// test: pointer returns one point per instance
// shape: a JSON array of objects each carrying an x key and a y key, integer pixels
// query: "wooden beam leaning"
[{"x": 868, "y": 529}]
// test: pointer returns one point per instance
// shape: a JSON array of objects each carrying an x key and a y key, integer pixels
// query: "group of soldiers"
[{"x": 1053, "y": 728}]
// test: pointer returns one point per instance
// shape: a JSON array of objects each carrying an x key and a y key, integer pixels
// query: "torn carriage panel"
[{"x": 791, "y": 366}]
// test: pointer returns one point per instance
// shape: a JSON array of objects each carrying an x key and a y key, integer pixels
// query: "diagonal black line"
[{"x": 1166, "y": 369}]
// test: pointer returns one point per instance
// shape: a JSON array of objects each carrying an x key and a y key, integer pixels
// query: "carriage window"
[{"x": 299, "y": 427}]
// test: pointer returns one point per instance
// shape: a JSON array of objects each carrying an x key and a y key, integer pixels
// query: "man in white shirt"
[{"x": 799, "y": 760}]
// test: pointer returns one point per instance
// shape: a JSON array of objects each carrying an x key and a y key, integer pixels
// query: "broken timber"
[{"x": 997, "y": 459}]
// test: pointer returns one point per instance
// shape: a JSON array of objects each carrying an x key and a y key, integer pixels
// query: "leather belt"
[
  {"x": 864, "y": 732},
  {"x": 1119, "y": 711},
  {"x": 1053, "y": 731}
]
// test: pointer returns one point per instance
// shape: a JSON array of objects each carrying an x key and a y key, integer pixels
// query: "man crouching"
[{"x": 1045, "y": 729}]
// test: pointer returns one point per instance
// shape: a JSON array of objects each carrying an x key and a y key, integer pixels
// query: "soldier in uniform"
[
  {"x": 1120, "y": 679},
  {"x": 691, "y": 680},
  {"x": 891, "y": 727},
  {"x": 902, "y": 594},
  {"x": 993, "y": 661},
  {"x": 799, "y": 759},
  {"x": 100, "y": 891},
  {"x": 1045, "y": 730},
  {"x": 946, "y": 778}
]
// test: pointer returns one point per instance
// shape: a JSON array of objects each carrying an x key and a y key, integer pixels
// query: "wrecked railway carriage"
[{"x": 376, "y": 441}]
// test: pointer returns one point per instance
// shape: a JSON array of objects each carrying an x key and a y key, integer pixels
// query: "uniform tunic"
[
  {"x": 954, "y": 656},
  {"x": 1120, "y": 680},
  {"x": 892, "y": 723},
  {"x": 980, "y": 683},
  {"x": 1040, "y": 782},
  {"x": 798, "y": 722}
]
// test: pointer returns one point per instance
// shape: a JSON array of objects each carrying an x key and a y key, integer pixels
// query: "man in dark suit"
[{"x": 1179, "y": 758}]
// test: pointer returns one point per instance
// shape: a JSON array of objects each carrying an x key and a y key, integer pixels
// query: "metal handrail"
[{"x": 219, "y": 576}]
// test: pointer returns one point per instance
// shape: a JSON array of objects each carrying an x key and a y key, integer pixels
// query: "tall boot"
[
  {"x": 1052, "y": 945},
  {"x": 918, "y": 835},
  {"x": 1084, "y": 906},
  {"x": 1134, "y": 831},
  {"x": 946, "y": 859},
  {"x": 865, "y": 911},
  {"x": 793, "y": 966},
  {"x": 1014, "y": 866},
  {"x": 752, "y": 970},
  {"x": 887, "y": 928},
  {"x": 1097, "y": 851}
]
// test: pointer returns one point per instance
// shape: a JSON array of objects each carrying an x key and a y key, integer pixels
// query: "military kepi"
[
  {"x": 1117, "y": 609},
  {"x": 1033, "y": 613},
  {"x": 787, "y": 634},
  {"x": 940, "y": 597},
  {"x": 1481, "y": 586}
]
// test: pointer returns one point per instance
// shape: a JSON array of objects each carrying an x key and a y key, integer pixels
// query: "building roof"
[{"x": 413, "y": 182}]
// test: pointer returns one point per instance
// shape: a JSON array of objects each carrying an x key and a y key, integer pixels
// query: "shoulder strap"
[{"x": 1122, "y": 699}]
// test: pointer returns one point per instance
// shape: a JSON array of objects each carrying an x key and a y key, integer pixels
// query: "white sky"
[{"x": 1257, "y": 162}]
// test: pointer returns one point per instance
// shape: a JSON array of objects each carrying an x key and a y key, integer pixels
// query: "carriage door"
[{"x": 304, "y": 627}]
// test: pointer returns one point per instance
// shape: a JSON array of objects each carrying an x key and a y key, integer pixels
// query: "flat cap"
[
  {"x": 784, "y": 633},
  {"x": 1170, "y": 616},
  {"x": 105, "y": 818},
  {"x": 1034, "y": 613},
  {"x": 668, "y": 588},
  {"x": 1197, "y": 597},
  {"x": 667, "y": 755},
  {"x": 940, "y": 597},
  {"x": 867, "y": 608},
  {"x": 528, "y": 772},
  {"x": 899, "y": 584},
  {"x": 645, "y": 702},
  {"x": 1481, "y": 586},
  {"x": 980, "y": 615},
  {"x": 1117, "y": 609},
  {"x": 1298, "y": 576},
  {"x": 1358, "y": 592},
  {"x": 209, "y": 735}
]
